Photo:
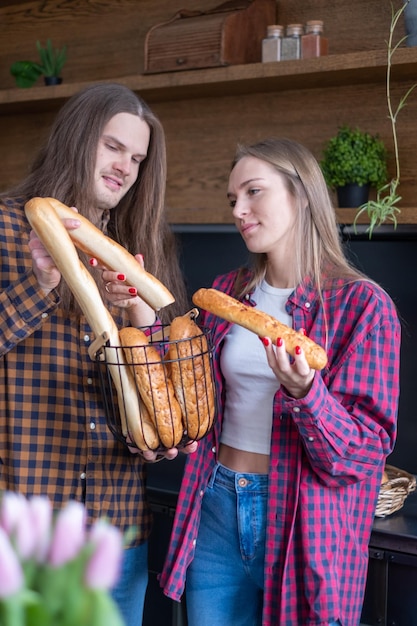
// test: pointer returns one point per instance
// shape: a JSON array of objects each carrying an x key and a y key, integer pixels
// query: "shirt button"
[
  {"x": 89, "y": 381},
  {"x": 82, "y": 476},
  {"x": 310, "y": 438},
  {"x": 92, "y": 426},
  {"x": 86, "y": 338},
  {"x": 44, "y": 315},
  {"x": 213, "y": 449},
  {"x": 194, "y": 542},
  {"x": 242, "y": 482},
  {"x": 296, "y": 409},
  {"x": 201, "y": 493},
  {"x": 307, "y": 305}
]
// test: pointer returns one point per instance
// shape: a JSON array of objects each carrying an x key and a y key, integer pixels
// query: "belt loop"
[{"x": 213, "y": 475}]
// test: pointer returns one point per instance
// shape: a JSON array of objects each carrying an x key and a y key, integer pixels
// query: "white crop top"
[{"x": 250, "y": 383}]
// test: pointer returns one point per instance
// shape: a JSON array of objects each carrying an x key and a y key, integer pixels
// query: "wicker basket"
[{"x": 393, "y": 493}]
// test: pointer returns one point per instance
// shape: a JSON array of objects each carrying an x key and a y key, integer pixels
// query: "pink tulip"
[
  {"x": 40, "y": 509},
  {"x": 103, "y": 568},
  {"x": 13, "y": 507},
  {"x": 11, "y": 574},
  {"x": 15, "y": 519},
  {"x": 68, "y": 535}
]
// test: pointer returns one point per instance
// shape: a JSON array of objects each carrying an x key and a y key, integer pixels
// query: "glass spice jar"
[
  {"x": 313, "y": 43},
  {"x": 271, "y": 44},
  {"x": 291, "y": 42}
]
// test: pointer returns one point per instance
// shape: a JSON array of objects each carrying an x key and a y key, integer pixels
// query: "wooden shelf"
[
  {"x": 329, "y": 71},
  {"x": 408, "y": 215}
]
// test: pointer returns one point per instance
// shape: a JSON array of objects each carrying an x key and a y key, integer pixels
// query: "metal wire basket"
[{"x": 176, "y": 397}]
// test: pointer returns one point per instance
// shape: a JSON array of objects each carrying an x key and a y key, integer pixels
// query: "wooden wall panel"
[
  {"x": 105, "y": 38},
  {"x": 202, "y": 135},
  {"x": 105, "y": 41}
]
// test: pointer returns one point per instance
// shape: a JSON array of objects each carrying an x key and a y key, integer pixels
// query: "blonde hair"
[{"x": 318, "y": 252}]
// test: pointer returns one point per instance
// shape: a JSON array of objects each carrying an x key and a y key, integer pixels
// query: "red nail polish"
[
  {"x": 132, "y": 290},
  {"x": 264, "y": 340},
  {"x": 303, "y": 331},
  {"x": 297, "y": 350},
  {"x": 279, "y": 342},
  {"x": 121, "y": 277},
  {"x": 92, "y": 262}
]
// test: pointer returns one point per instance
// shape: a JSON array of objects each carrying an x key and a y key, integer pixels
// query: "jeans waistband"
[{"x": 239, "y": 481}]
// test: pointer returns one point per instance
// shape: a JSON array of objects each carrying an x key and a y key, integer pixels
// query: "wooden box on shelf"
[{"x": 230, "y": 34}]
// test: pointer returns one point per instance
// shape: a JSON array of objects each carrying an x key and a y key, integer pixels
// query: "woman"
[{"x": 276, "y": 506}]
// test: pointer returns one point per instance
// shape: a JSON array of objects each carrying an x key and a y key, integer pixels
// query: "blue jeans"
[
  {"x": 129, "y": 592},
  {"x": 225, "y": 580},
  {"x": 226, "y": 577}
]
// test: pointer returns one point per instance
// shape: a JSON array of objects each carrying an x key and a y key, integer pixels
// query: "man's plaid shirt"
[{"x": 53, "y": 434}]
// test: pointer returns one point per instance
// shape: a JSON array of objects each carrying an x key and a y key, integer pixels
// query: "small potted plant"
[
  {"x": 353, "y": 161},
  {"x": 51, "y": 63}
]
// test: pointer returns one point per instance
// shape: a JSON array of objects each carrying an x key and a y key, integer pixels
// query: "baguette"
[
  {"x": 154, "y": 384},
  {"x": 108, "y": 252},
  {"x": 261, "y": 323},
  {"x": 49, "y": 227},
  {"x": 189, "y": 365}
]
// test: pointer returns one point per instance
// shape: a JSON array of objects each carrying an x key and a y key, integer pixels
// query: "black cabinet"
[
  {"x": 391, "y": 590},
  {"x": 164, "y": 479}
]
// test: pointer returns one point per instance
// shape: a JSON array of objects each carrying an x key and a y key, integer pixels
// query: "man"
[{"x": 105, "y": 155}]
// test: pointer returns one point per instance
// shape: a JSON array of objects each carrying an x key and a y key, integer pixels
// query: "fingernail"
[
  {"x": 93, "y": 262},
  {"x": 303, "y": 331},
  {"x": 279, "y": 342},
  {"x": 297, "y": 350},
  {"x": 264, "y": 340},
  {"x": 132, "y": 290},
  {"x": 121, "y": 277}
]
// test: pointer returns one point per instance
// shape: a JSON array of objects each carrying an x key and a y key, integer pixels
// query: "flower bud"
[
  {"x": 40, "y": 508},
  {"x": 68, "y": 535},
  {"x": 13, "y": 507},
  {"x": 11, "y": 574},
  {"x": 103, "y": 568}
]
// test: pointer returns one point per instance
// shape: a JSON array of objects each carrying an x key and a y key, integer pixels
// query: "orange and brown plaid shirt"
[{"x": 53, "y": 434}]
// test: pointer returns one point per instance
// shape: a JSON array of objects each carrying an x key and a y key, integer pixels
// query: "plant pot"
[
  {"x": 52, "y": 80},
  {"x": 352, "y": 195}
]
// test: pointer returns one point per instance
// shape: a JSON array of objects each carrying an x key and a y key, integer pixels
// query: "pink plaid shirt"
[{"x": 327, "y": 455}]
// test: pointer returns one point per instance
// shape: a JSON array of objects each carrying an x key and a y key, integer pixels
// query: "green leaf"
[
  {"x": 26, "y": 73},
  {"x": 354, "y": 156},
  {"x": 104, "y": 611},
  {"x": 52, "y": 60}
]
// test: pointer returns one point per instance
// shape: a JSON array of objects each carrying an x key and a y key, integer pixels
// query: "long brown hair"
[
  {"x": 64, "y": 169},
  {"x": 318, "y": 252}
]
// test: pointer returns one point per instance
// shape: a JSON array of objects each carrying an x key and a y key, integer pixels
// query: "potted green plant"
[
  {"x": 51, "y": 63},
  {"x": 353, "y": 161}
]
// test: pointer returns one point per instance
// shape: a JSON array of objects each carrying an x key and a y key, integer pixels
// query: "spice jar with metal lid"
[
  {"x": 291, "y": 42},
  {"x": 313, "y": 43},
  {"x": 271, "y": 44}
]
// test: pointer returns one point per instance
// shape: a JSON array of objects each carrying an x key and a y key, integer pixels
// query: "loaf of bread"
[
  {"x": 261, "y": 323},
  {"x": 154, "y": 385},
  {"x": 189, "y": 365}
]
